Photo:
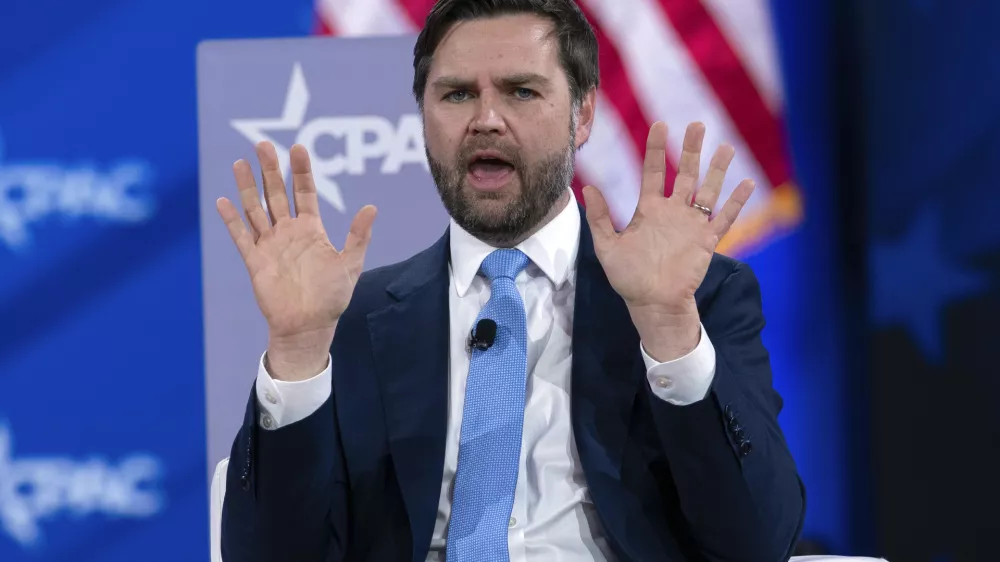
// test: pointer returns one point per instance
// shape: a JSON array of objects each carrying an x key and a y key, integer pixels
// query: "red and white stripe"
[{"x": 676, "y": 61}]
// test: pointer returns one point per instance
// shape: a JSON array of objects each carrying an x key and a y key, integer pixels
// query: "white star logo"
[{"x": 292, "y": 118}]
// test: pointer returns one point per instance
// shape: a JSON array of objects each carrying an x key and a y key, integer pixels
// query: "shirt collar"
[{"x": 552, "y": 249}]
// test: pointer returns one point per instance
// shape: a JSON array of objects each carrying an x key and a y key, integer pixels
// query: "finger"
[
  {"x": 234, "y": 224},
  {"x": 689, "y": 165},
  {"x": 654, "y": 166},
  {"x": 731, "y": 210},
  {"x": 250, "y": 198},
  {"x": 274, "y": 184},
  {"x": 303, "y": 186},
  {"x": 708, "y": 193},
  {"x": 360, "y": 234},
  {"x": 598, "y": 215}
]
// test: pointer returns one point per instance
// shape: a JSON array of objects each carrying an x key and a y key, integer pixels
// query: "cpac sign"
[
  {"x": 33, "y": 191},
  {"x": 365, "y": 138},
  {"x": 35, "y": 489}
]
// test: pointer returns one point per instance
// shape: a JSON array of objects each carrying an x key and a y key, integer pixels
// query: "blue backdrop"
[
  {"x": 929, "y": 147},
  {"x": 102, "y": 448},
  {"x": 804, "y": 284}
]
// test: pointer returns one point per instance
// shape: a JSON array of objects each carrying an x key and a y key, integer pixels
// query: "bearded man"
[{"x": 535, "y": 386}]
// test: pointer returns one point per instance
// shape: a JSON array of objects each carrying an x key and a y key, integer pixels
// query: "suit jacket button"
[
  {"x": 734, "y": 425},
  {"x": 740, "y": 436},
  {"x": 244, "y": 483},
  {"x": 745, "y": 448},
  {"x": 730, "y": 413}
]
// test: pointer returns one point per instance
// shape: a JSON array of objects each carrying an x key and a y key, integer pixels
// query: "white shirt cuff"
[
  {"x": 686, "y": 380},
  {"x": 283, "y": 403}
]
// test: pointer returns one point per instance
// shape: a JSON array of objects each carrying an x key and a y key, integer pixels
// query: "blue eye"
[
  {"x": 460, "y": 93},
  {"x": 524, "y": 93}
]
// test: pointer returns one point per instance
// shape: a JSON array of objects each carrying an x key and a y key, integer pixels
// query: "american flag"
[{"x": 676, "y": 61}]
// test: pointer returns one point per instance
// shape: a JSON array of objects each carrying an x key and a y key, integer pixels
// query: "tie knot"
[{"x": 504, "y": 263}]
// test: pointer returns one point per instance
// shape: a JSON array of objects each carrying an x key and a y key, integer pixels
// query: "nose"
[{"x": 489, "y": 118}]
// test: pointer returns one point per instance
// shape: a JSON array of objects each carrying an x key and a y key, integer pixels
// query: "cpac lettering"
[
  {"x": 39, "y": 488},
  {"x": 365, "y": 139},
  {"x": 30, "y": 193}
]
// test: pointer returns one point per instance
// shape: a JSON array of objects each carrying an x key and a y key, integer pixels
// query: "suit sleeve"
[
  {"x": 737, "y": 482},
  {"x": 286, "y": 492}
]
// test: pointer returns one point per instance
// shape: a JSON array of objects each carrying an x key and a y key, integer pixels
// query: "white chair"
[{"x": 218, "y": 492}]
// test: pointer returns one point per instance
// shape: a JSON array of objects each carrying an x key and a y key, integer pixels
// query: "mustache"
[{"x": 509, "y": 154}]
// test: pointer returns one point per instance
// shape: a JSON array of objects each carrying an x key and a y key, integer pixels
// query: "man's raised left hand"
[{"x": 660, "y": 259}]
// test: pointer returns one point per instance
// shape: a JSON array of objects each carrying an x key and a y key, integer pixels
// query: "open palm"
[
  {"x": 302, "y": 283},
  {"x": 661, "y": 257}
]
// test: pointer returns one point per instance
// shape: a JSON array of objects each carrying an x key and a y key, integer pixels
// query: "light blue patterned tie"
[{"x": 492, "y": 420}]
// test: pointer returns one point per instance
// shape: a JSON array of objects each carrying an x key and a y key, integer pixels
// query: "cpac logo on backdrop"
[
  {"x": 35, "y": 489},
  {"x": 33, "y": 191},
  {"x": 365, "y": 137}
]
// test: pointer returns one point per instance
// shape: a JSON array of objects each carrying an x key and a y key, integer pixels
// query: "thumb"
[{"x": 598, "y": 215}]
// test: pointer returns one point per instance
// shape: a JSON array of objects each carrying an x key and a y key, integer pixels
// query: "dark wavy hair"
[{"x": 577, "y": 43}]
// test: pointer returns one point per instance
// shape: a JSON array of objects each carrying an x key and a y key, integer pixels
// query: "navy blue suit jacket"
[{"x": 360, "y": 478}]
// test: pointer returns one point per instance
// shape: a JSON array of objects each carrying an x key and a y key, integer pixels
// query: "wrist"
[
  {"x": 668, "y": 332},
  {"x": 299, "y": 357}
]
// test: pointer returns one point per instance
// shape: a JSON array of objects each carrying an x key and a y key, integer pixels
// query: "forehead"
[{"x": 498, "y": 45}]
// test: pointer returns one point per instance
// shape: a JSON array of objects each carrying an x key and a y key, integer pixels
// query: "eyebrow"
[{"x": 510, "y": 81}]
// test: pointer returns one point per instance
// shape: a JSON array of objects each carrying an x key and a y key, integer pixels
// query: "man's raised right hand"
[{"x": 301, "y": 281}]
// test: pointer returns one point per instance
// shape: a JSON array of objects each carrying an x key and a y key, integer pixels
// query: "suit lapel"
[
  {"x": 410, "y": 347},
  {"x": 410, "y": 344},
  {"x": 605, "y": 380}
]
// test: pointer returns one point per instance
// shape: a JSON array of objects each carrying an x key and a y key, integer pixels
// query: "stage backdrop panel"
[{"x": 348, "y": 102}]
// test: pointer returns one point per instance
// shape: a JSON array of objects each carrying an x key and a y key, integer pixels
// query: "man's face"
[{"x": 499, "y": 125}]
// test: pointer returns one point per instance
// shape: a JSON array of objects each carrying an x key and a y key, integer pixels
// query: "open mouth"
[{"x": 489, "y": 169}]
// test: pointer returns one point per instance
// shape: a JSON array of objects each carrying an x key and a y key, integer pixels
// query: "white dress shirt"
[{"x": 553, "y": 518}]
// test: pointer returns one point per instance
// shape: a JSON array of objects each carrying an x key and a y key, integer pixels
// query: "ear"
[{"x": 585, "y": 120}]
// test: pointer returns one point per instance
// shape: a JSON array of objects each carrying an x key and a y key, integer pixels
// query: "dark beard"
[{"x": 541, "y": 188}]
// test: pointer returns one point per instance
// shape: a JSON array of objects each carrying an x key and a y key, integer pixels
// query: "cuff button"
[
  {"x": 730, "y": 413},
  {"x": 664, "y": 382}
]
